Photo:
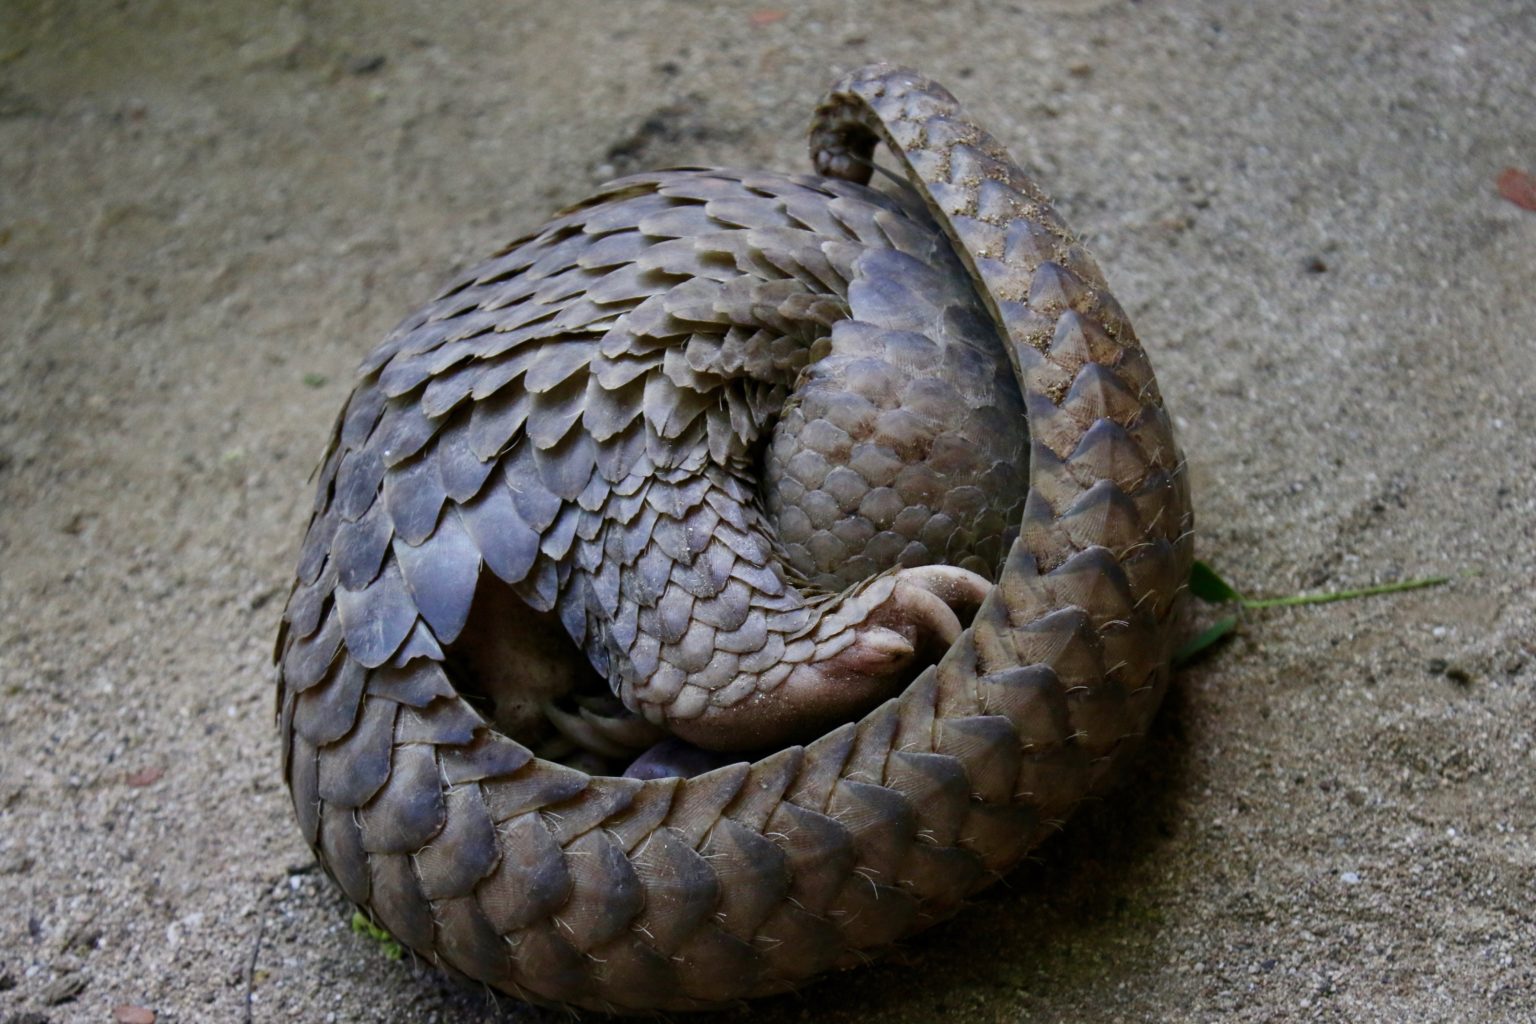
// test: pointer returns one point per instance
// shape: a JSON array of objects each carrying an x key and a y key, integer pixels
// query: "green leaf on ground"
[
  {"x": 1206, "y": 584},
  {"x": 390, "y": 947},
  {"x": 316, "y": 380},
  {"x": 1196, "y": 647}
]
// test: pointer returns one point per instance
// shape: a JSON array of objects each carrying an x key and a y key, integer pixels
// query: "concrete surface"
[{"x": 209, "y": 211}]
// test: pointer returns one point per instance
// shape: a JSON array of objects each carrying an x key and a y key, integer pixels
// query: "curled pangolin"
[{"x": 645, "y": 652}]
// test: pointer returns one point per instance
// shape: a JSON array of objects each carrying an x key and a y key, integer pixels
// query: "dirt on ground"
[{"x": 209, "y": 211}]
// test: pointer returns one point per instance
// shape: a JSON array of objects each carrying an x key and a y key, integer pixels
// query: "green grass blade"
[{"x": 1344, "y": 595}]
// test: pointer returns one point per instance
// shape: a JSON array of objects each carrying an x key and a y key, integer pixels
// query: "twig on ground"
[{"x": 250, "y": 963}]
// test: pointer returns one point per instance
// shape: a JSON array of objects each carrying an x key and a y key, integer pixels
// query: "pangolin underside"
[{"x": 722, "y": 583}]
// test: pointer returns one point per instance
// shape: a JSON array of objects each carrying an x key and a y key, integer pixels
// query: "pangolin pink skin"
[{"x": 873, "y": 489}]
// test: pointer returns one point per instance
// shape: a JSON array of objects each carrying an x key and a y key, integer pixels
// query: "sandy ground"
[{"x": 209, "y": 211}]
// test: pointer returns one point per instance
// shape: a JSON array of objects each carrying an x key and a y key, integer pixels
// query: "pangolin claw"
[{"x": 872, "y": 645}]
